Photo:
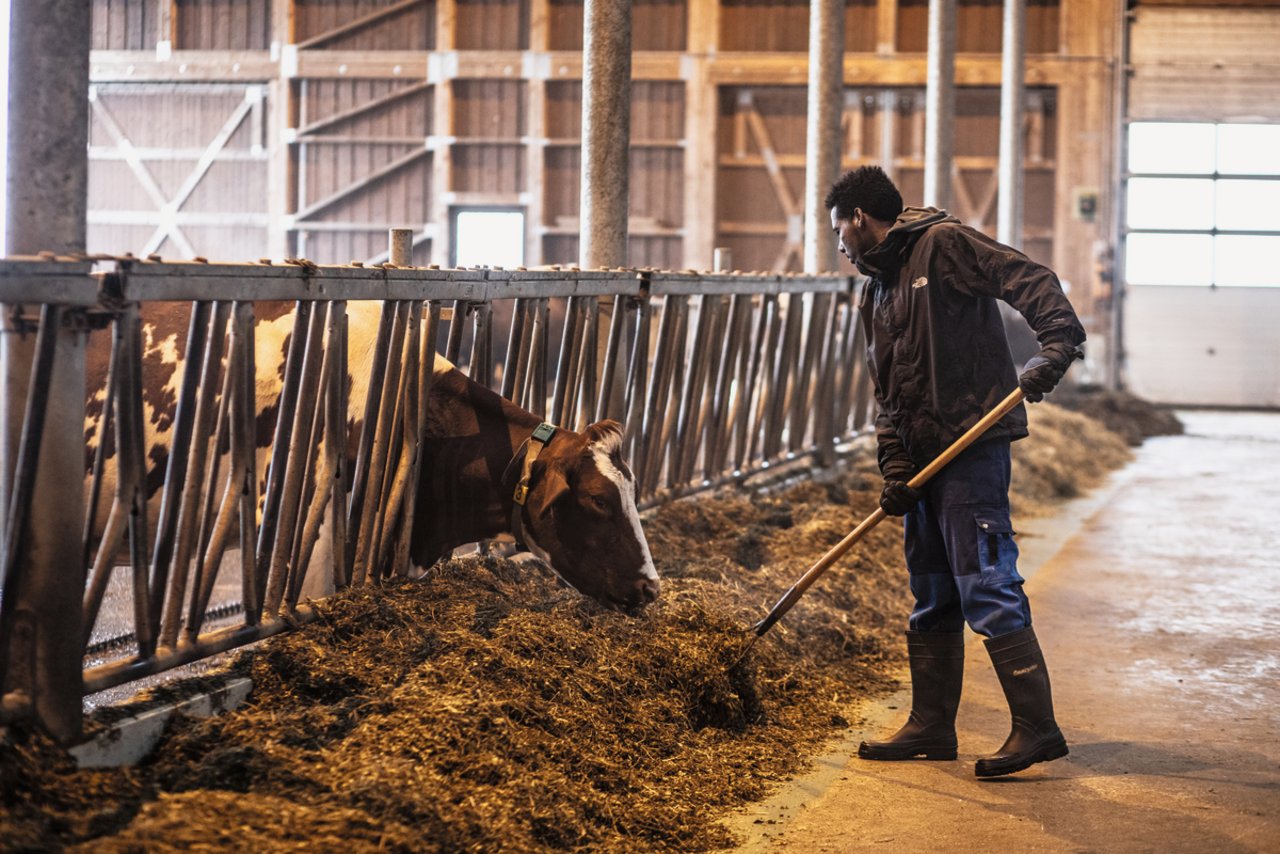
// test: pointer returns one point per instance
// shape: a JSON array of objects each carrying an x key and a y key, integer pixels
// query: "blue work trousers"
[{"x": 960, "y": 550}]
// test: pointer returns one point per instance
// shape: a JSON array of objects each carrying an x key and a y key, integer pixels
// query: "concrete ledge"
[{"x": 129, "y": 740}]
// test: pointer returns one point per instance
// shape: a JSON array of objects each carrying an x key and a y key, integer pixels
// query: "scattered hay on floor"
[{"x": 487, "y": 707}]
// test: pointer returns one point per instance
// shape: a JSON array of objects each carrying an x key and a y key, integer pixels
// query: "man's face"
[{"x": 852, "y": 232}]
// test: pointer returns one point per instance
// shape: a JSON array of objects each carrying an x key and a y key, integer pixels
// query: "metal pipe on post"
[
  {"x": 46, "y": 193},
  {"x": 940, "y": 103},
  {"x": 822, "y": 146},
  {"x": 1012, "y": 86},
  {"x": 606, "y": 135}
]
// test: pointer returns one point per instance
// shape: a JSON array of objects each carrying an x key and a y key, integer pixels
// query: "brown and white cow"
[{"x": 580, "y": 515}]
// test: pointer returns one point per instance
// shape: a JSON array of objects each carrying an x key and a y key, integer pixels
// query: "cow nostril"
[{"x": 647, "y": 590}]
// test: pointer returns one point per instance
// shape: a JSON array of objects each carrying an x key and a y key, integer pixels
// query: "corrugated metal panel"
[
  {"x": 223, "y": 24},
  {"x": 1205, "y": 63},
  {"x": 413, "y": 28},
  {"x": 980, "y": 26},
  {"x": 493, "y": 25},
  {"x": 126, "y": 24}
]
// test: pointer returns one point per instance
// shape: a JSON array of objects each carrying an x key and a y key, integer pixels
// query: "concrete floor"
[{"x": 1157, "y": 601}]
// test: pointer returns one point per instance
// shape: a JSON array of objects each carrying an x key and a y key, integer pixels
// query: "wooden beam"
[
  {"x": 186, "y": 66},
  {"x": 361, "y": 109},
  {"x": 356, "y": 186},
  {"x": 361, "y": 23},
  {"x": 700, "y": 122},
  {"x": 886, "y": 27}
]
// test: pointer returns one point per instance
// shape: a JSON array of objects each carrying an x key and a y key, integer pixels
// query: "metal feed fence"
[{"x": 715, "y": 377}]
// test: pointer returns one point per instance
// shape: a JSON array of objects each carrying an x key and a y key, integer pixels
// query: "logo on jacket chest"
[{"x": 920, "y": 282}]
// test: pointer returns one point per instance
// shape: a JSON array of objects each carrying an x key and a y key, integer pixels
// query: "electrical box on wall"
[{"x": 1086, "y": 204}]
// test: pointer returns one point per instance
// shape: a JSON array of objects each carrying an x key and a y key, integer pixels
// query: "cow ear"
[
  {"x": 607, "y": 432},
  {"x": 552, "y": 487}
]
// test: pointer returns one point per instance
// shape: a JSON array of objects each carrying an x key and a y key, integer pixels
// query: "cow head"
[{"x": 581, "y": 517}]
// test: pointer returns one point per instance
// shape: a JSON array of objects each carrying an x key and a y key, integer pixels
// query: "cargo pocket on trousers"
[{"x": 997, "y": 552}]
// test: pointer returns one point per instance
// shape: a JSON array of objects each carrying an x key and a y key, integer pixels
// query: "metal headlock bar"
[{"x": 715, "y": 376}]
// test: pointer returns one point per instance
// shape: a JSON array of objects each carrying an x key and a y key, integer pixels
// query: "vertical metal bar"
[
  {"x": 281, "y": 443},
  {"x": 100, "y": 453},
  {"x": 637, "y": 377},
  {"x": 336, "y": 444},
  {"x": 606, "y": 132},
  {"x": 940, "y": 102},
  {"x": 405, "y": 440},
  {"x": 671, "y": 411},
  {"x": 562, "y": 388},
  {"x": 746, "y": 384},
  {"x": 453, "y": 348},
  {"x": 784, "y": 369},
  {"x": 426, "y": 376},
  {"x": 816, "y": 331},
  {"x": 685, "y": 439},
  {"x": 15, "y": 575},
  {"x": 762, "y": 376},
  {"x": 517, "y": 351},
  {"x": 540, "y": 345},
  {"x": 822, "y": 138},
  {"x": 244, "y": 460},
  {"x": 179, "y": 456},
  {"x": 300, "y": 450},
  {"x": 191, "y": 504},
  {"x": 382, "y": 440},
  {"x": 1012, "y": 87},
  {"x": 614, "y": 346},
  {"x": 482, "y": 344},
  {"x": 131, "y": 473},
  {"x": 651, "y": 433},
  {"x": 822, "y": 400},
  {"x": 368, "y": 428},
  {"x": 589, "y": 355},
  {"x": 728, "y": 393},
  {"x": 100, "y": 574}
]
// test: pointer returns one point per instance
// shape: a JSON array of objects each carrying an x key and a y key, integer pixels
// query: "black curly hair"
[{"x": 866, "y": 187}]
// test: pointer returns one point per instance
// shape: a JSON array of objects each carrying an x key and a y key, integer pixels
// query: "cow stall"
[{"x": 715, "y": 377}]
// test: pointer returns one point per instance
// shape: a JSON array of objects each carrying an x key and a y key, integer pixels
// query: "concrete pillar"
[
  {"x": 940, "y": 103},
  {"x": 46, "y": 192},
  {"x": 822, "y": 146},
  {"x": 1009, "y": 216},
  {"x": 606, "y": 133}
]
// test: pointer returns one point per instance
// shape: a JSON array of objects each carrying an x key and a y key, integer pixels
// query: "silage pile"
[{"x": 488, "y": 708}]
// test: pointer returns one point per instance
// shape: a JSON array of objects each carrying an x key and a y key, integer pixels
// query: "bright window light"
[
  {"x": 1170, "y": 203},
  {"x": 1175, "y": 148},
  {"x": 1249, "y": 149},
  {"x": 1169, "y": 259},
  {"x": 488, "y": 239},
  {"x": 1246, "y": 260},
  {"x": 1244, "y": 205}
]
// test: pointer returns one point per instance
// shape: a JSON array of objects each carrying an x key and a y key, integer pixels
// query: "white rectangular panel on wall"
[{"x": 1204, "y": 346}]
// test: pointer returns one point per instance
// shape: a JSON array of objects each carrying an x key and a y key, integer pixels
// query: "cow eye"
[{"x": 600, "y": 503}]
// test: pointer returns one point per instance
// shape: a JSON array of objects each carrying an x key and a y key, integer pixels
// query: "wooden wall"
[{"x": 379, "y": 113}]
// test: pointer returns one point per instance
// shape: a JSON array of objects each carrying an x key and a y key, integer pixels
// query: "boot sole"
[
  {"x": 1047, "y": 754},
  {"x": 935, "y": 754}
]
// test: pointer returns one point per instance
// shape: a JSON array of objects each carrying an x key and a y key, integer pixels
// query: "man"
[{"x": 939, "y": 361}]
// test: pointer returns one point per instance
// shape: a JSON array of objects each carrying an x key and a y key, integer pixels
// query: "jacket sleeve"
[
  {"x": 992, "y": 269},
  {"x": 891, "y": 454}
]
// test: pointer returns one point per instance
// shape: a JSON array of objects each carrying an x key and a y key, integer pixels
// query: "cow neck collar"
[{"x": 529, "y": 449}]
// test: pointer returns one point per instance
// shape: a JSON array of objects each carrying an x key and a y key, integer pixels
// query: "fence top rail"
[
  {"x": 51, "y": 279},
  {"x": 70, "y": 282}
]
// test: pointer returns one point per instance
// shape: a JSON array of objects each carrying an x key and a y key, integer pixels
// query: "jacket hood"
[{"x": 886, "y": 254}]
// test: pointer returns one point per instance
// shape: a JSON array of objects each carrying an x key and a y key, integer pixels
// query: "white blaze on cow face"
[{"x": 603, "y": 452}]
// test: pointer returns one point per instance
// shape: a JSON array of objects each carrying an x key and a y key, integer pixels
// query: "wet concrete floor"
[{"x": 1157, "y": 602}]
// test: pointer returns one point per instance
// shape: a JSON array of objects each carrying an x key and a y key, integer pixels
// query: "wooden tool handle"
[{"x": 878, "y": 515}]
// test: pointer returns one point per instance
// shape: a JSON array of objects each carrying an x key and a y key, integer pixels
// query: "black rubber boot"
[
  {"x": 937, "y": 671},
  {"x": 1035, "y": 736}
]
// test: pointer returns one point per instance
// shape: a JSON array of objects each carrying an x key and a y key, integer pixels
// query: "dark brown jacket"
[{"x": 936, "y": 344}]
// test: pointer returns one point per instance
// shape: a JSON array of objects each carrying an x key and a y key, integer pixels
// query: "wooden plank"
[
  {"x": 346, "y": 192},
  {"x": 360, "y": 23},
  {"x": 360, "y": 109}
]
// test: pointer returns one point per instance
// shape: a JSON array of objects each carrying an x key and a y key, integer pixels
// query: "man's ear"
[{"x": 552, "y": 486}]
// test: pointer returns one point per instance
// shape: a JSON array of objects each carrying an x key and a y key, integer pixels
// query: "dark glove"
[
  {"x": 1045, "y": 370},
  {"x": 897, "y": 498}
]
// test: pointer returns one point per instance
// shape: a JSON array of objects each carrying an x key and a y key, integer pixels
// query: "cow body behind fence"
[{"x": 580, "y": 516}]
